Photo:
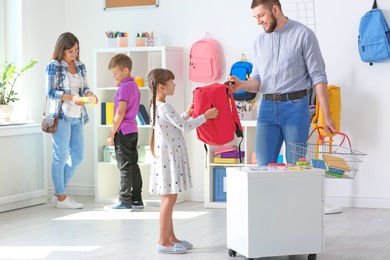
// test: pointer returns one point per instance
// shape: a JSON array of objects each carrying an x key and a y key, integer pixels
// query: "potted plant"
[{"x": 9, "y": 73}]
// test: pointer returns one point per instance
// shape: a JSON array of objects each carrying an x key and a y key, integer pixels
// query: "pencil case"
[
  {"x": 91, "y": 101},
  {"x": 233, "y": 154},
  {"x": 225, "y": 149}
]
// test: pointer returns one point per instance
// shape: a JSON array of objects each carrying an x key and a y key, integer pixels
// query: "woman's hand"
[
  {"x": 77, "y": 101},
  {"x": 91, "y": 94}
]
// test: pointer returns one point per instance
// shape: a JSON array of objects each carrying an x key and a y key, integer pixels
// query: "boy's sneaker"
[
  {"x": 118, "y": 207},
  {"x": 138, "y": 204},
  {"x": 69, "y": 203}
]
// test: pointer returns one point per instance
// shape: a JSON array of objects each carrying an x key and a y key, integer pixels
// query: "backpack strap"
[
  {"x": 239, "y": 133},
  {"x": 205, "y": 147},
  {"x": 374, "y": 6}
]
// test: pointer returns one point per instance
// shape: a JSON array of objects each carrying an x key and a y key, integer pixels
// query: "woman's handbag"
[{"x": 49, "y": 124}]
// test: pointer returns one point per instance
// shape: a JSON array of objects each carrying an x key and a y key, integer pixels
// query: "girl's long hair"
[{"x": 156, "y": 77}]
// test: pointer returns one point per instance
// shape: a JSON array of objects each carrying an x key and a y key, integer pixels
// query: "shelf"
[
  {"x": 144, "y": 60},
  {"x": 227, "y": 165},
  {"x": 247, "y": 145}
]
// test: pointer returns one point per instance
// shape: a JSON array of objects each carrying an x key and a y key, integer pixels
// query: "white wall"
[{"x": 180, "y": 23}]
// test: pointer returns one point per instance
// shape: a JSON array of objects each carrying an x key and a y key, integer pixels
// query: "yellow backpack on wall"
[{"x": 335, "y": 111}]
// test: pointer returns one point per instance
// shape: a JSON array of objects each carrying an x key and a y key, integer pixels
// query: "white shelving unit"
[
  {"x": 249, "y": 130},
  {"x": 144, "y": 60}
]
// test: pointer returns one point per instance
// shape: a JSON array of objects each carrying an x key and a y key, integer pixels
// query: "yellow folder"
[
  {"x": 225, "y": 160},
  {"x": 109, "y": 113}
]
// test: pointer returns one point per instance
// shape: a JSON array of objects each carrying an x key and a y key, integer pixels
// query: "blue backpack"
[
  {"x": 374, "y": 36},
  {"x": 242, "y": 70}
]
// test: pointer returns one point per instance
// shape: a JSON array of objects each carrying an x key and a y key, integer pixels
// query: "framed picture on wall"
[{"x": 130, "y": 3}]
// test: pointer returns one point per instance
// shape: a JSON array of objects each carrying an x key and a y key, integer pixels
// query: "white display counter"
[{"x": 272, "y": 212}]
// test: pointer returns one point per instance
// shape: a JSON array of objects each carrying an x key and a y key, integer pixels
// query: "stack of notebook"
[{"x": 228, "y": 155}]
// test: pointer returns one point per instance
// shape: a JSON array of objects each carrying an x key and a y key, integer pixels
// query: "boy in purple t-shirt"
[{"x": 124, "y": 134}]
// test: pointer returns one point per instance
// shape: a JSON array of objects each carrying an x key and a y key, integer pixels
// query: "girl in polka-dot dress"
[{"x": 170, "y": 171}]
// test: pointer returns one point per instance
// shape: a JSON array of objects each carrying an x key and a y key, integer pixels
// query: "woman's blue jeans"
[
  {"x": 68, "y": 152},
  {"x": 287, "y": 121}
]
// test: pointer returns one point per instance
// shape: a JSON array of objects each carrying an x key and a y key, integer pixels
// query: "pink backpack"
[
  {"x": 220, "y": 130},
  {"x": 205, "y": 61}
]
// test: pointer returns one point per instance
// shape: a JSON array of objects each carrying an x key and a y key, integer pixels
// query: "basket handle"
[{"x": 345, "y": 136}]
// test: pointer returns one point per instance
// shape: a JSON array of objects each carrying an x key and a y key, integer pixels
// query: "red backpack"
[
  {"x": 205, "y": 61},
  {"x": 220, "y": 130}
]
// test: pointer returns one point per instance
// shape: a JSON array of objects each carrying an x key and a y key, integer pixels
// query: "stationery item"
[
  {"x": 140, "y": 41},
  {"x": 317, "y": 163},
  {"x": 276, "y": 164},
  {"x": 225, "y": 149},
  {"x": 117, "y": 39},
  {"x": 139, "y": 120},
  {"x": 225, "y": 160},
  {"x": 107, "y": 113},
  {"x": 335, "y": 162},
  {"x": 89, "y": 101},
  {"x": 112, "y": 42},
  {"x": 144, "y": 114},
  {"x": 140, "y": 81},
  {"x": 123, "y": 42},
  {"x": 233, "y": 154}
]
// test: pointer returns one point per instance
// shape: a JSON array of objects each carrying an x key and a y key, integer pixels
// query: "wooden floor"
[{"x": 45, "y": 232}]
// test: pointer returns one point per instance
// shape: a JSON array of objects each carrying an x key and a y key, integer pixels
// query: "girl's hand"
[
  {"x": 190, "y": 109},
  {"x": 211, "y": 113}
]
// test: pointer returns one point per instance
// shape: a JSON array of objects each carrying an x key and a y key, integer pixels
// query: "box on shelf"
[
  {"x": 109, "y": 154},
  {"x": 219, "y": 180},
  {"x": 144, "y": 154}
]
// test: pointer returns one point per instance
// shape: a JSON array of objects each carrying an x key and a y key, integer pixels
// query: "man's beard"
[{"x": 272, "y": 24}]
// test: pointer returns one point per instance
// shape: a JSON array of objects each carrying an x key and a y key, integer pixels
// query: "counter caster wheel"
[
  {"x": 232, "y": 252},
  {"x": 312, "y": 257}
]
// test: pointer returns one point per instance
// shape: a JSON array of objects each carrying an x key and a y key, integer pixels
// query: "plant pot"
[{"x": 5, "y": 112}]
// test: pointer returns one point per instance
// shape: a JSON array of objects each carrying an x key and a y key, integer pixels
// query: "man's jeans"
[
  {"x": 287, "y": 121},
  {"x": 68, "y": 152}
]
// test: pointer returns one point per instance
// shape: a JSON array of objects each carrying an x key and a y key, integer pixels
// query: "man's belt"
[{"x": 287, "y": 96}]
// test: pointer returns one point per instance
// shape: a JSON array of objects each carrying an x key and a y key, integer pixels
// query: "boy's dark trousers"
[{"x": 127, "y": 159}]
